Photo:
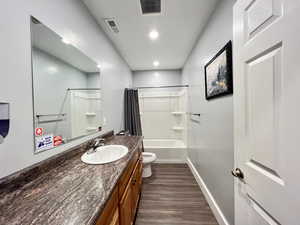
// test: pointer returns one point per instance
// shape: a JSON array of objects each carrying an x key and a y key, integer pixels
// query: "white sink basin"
[{"x": 105, "y": 154}]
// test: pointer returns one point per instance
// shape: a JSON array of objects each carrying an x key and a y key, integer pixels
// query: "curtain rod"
[
  {"x": 173, "y": 86},
  {"x": 82, "y": 89}
]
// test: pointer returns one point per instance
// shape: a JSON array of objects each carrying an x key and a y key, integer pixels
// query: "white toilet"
[{"x": 148, "y": 158}]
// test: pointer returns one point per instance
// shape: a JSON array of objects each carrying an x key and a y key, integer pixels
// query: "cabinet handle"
[{"x": 133, "y": 182}]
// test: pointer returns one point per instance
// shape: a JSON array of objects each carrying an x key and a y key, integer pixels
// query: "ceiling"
[
  {"x": 48, "y": 41},
  {"x": 179, "y": 25}
]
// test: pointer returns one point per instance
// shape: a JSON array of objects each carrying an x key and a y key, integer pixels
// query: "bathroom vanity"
[
  {"x": 63, "y": 190},
  {"x": 121, "y": 207}
]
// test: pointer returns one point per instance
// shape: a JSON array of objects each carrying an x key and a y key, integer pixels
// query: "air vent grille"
[
  {"x": 151, "y": 6},
  {"x": 111, "y": 23}
]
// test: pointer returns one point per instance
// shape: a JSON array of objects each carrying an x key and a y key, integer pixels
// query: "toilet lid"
[{"x": 148, "y": 157}]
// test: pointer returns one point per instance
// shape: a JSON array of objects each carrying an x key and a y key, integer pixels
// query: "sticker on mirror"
[
  {"x": 38, "y": 131},
  {"x": 57, "y": 140},
  {"x": 44, "y": 142}
]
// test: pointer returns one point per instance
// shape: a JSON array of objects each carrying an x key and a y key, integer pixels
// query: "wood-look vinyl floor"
[{"x": 172, "y": 197}]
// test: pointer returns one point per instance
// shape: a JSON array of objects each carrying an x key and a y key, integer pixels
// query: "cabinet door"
[
  {"x": 126, "y": 206},
  {"x": 139, "y": 175},
  {"x": 109, "y": 209},
  {"x": 115, "y": 219},
  {"x": 125, "y": 178},
  {"x": 136, "y": 185}
]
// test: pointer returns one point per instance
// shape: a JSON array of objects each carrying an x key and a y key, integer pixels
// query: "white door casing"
[{"x": 266, "y": 51}]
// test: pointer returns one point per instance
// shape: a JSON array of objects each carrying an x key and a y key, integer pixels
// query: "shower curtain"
[{"x": 132, "y": 112}]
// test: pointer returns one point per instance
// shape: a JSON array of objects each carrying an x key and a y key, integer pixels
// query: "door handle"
[{"x": 237, "y": 173}]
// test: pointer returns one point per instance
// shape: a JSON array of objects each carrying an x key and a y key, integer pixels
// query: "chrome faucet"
[{"x": 95, "y": 144}]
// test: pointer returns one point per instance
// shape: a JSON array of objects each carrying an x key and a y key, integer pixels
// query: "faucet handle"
[
  {"x": 101, "y": 141},
  {"x": 90, "y": 144},
  {"x": 98, "y": 142}
]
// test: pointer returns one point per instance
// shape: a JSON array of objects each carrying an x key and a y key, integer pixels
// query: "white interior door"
[{"x": 267, "y": 111}]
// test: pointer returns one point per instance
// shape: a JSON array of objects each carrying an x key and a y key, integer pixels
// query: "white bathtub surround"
[
  {"x": 163, "y": 113},
  {"x": 166, "y": 150},
  {"x": 85, "y": 112},
  {"x": 164, "y": 123}
]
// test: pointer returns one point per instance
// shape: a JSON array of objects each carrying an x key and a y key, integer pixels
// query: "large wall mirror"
[{"x": 66, "y": 90}]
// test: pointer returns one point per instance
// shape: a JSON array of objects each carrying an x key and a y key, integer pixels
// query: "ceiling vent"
[
  {"x": 151, "y": 6},
  {"x": 111, "y": 23}
]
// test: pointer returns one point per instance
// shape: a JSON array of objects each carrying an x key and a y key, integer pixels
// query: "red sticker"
[
  {"x": 57, "y": 143},
  {"x": 38, "y": 131},
  {"x": 57, "y": 140}
]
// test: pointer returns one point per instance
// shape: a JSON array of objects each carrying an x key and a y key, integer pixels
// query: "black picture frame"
[{"x": 218, "y": 74}]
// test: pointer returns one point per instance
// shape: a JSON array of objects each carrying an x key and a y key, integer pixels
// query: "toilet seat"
[{"x": 148, "y": 157}]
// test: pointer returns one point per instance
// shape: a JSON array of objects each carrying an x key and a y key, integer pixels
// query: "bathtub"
[{"x": 166, "y": 150}]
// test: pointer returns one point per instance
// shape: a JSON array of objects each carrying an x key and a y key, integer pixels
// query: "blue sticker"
[{"x": 44, "y": 142}]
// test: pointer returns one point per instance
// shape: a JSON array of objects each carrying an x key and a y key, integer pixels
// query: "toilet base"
[{"x": 147, "y": 171}]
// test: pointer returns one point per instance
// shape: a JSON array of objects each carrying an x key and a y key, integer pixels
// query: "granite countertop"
[{"x": 68, "y": 192}]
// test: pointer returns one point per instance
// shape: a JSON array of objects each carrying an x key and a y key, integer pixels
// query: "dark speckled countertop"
[{"x": 65, "y": 192}]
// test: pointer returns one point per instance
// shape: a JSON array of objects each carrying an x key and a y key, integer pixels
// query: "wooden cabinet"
[
  {"x": 115, "y": 219},
  {"x": 136, "y": 184},
  {"x": 110, "y": 208},
  {"x": 127, "y": 174},
  {"x": 130, "y": 197},
  {"x": 121, "y": 208},
  {"x": 126, "y": 209}
]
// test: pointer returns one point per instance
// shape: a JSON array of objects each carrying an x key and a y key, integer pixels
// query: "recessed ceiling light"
[
  {"x": 153, "y": 34},
  {"x": 99, "y": 66},
  {"x": 155, "y": 63}
]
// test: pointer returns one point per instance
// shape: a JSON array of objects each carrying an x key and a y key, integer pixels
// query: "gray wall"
[
  {"x": 93, "y": 80},
  {"x": 211, "y": 140},
  {"x": 47, "y": 99},
  {"x": 71, "y": 18},
  {"x": 156, "y": 77}
]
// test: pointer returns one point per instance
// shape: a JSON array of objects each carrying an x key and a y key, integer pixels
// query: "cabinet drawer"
[
  {"x": 127, "y": 173},
  {"x": 109, "y": 209}
]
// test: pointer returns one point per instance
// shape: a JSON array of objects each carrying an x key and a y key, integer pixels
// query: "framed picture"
[{"x": 218, "y": 74}]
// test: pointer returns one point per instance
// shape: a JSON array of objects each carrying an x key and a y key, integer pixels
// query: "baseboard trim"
[
  {"x": 175, "y": 161},
  {"x": 208, "y": 196}
]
